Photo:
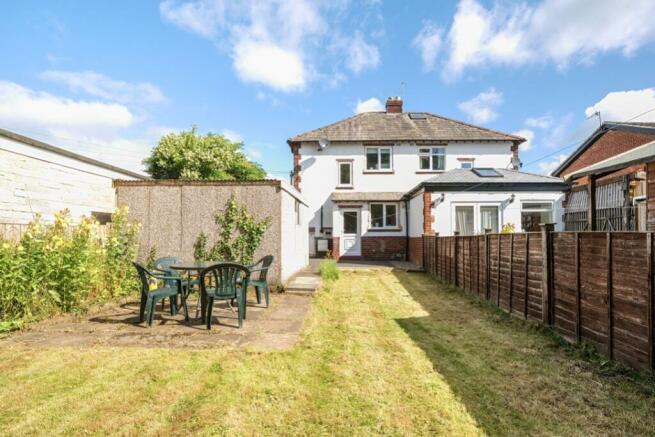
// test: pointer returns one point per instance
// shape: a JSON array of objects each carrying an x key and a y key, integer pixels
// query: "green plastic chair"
[
  {"x": 225, "y": 281},
  {"x": 149, "y": 297},
  {"x": 261, "y": 284},
  {"x": 163, "y": 265}
]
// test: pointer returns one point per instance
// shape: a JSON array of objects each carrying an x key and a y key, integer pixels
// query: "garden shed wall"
[{"x": 173, "y": 213}]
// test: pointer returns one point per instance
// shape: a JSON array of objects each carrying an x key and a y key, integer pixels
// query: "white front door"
[{"x": 350, "y": 238}]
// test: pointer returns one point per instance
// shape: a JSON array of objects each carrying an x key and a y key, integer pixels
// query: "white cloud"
[
  {"x": 233, "y": 136},
  {"x": 529, "y": 139},
  {"x": 428, "y": 42},
  {"x": 280, "y": 44},
  {"x": 543, "y": 122},
  {"x": 361, "y": 55},
  {"x": 556, "y": 31},
  {"x": 92, "y": 128},
  {"x": 200, "y": 17},
  {"x": 550, "y": 165},
  {"x": 254, "y": 154},
  {"x": 370, "y": 105},
  {"x": 20, "y": 106},
  {"x": 270, "y": 65},
  {"x": 625, "y": 105},
  {"x": 99, "y": 85},
  {"x": 482, "y": 108}
]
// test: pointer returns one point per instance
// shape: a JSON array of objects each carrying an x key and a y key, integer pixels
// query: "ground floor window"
[
  {"x": 465, "y": 220},
  {"x": 476, "y": 218},
  {"x": 535, "y": 213},
  {"x": 384, "y": 215}
]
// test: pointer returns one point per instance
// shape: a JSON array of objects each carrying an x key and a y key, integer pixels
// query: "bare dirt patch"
[{"x": 275, "y": 328}]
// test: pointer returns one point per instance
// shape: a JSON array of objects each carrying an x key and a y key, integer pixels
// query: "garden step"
[{"x": 303, "y": 285}]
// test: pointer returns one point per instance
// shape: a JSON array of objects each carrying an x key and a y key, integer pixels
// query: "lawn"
[{"x": 382, "y": 353}]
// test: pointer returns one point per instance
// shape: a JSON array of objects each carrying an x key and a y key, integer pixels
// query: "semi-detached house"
[{"x": 378, "y": 181}]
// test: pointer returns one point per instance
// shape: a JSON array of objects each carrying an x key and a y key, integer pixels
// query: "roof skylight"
[{"x": 487, "y": 172}]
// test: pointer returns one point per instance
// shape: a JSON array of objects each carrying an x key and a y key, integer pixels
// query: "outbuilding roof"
[
  {"x": 476, "y": 179},
  {"x": 404, "y": 126}
]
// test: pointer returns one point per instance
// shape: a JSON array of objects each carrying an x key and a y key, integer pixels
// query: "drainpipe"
[{"x": 406, "y": 230}]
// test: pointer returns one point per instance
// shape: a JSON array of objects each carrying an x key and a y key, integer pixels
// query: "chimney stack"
[{"x": 394, "y": 105}]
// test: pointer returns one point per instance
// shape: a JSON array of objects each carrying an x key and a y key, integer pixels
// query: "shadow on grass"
[{"x": 514, "y": 376}]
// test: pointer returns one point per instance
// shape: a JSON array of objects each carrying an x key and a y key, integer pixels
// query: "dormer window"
[
  {"x": 378, "y": 159},
  {"x": 432, "y": 158}
]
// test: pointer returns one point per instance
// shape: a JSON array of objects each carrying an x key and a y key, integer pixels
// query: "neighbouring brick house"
[
  {"x": 376, "y": 182},
  {"x": 611, "y": 171}
]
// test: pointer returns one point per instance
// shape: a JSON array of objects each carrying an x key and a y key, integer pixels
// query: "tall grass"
[
  {"x": 61, "y": 267},
  {"x": 329, "y": 270}
]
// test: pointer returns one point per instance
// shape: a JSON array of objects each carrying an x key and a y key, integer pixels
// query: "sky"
[{"x": 108, "y": 79}]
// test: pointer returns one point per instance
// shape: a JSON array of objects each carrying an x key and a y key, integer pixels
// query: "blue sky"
[{"x": 107, "y": 79}]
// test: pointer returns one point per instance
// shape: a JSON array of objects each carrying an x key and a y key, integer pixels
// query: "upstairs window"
[
  {"x": 432, "y": 158},
  {"x": 378, "y": 158},
  {"x": 384, "y": 215},
  {"x": 345, "y": 173}
]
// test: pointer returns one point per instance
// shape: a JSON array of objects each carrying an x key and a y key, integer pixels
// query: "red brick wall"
[
  {"x": 610, "y": 144},
  {"x": 335, "y": 248},
  {"x": 296, "y": 166},
  {"x": 416, "y": 250},
  {"x": 427, "y": 212},
  {"x": 384, "y": 248}
]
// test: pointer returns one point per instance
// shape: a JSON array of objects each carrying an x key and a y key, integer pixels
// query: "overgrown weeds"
[{"x": 61, "y": 267}]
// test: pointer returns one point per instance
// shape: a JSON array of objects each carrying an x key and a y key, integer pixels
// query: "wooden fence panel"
[
  {"x": 600, "y": 286},
  {"x": 564, "y": 280},
  {"x": 593, "y": 289},
  {"x": 535, "y": 268},
  {"x": 630, "y": 298}
]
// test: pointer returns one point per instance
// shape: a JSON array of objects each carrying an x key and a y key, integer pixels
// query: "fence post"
[
  {"x": 436, "y": 248},
  {"x": 547, "y": 277}
]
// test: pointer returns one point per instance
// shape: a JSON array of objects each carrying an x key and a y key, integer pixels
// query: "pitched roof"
[
  {"x": 638, "y": 127},
  {"x": 638, "y": 155},
  {"x": 461, "y": 179},
  {"x": 68, "y": 154},
  {"x": 383, "y": 126}
]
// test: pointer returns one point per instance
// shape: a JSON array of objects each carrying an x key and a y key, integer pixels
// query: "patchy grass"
[
  {"x": 382, "y": 353},
  {"x": 329, "y": 270}
]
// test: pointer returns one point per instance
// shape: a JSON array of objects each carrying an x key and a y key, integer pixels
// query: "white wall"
[
  {"x": 33, "y": 180},
  {"x": 509, "y": 212},
  {"x": 294, "y": 245},
  {"x": 416, "y": 215},
  {"x": 319, "y": 170}
]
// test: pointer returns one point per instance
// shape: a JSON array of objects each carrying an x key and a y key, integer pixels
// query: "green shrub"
[
  {"x": 329, "y": 270},
  {"x": 62, "y": 268}
]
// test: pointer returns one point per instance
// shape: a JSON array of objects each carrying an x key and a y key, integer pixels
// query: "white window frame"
[
  {"x": 477, "y": 215},
  {"x": 384, "y": 216},
  {"x": 379, "y": 154},
  {"x": 339, "y": 183},
  {"x": 550, "y": 202},
  {"x": 431, "y": 155}
]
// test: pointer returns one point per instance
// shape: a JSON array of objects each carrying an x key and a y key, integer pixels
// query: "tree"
[{"x": 189, "y": 155}]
